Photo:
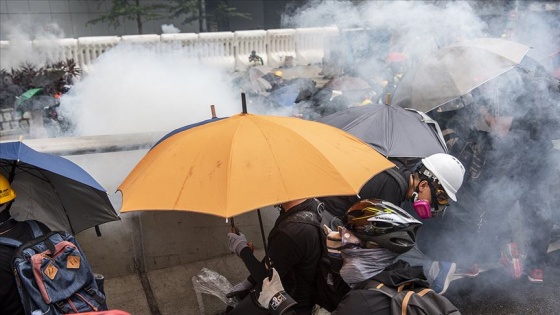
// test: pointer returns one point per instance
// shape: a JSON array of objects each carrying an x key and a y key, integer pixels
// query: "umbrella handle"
[{"x": 235, "y": 230}]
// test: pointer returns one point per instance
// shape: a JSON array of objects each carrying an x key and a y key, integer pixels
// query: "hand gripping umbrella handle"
[{"x": 235, "y": 230}]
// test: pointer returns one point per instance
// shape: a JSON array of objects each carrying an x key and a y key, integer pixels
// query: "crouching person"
[{"x": 374, "y": 234}]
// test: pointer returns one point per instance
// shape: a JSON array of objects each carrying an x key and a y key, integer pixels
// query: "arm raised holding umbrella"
[{"x": 292, "y": 250}]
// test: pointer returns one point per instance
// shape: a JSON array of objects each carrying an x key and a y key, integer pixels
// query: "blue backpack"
[{"x": 52, "y": 274}]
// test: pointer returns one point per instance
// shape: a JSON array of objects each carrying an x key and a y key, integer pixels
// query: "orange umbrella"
[{"x": 234, "y": 165}]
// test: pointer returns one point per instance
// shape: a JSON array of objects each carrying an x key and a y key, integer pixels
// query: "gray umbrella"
[
  {"x": 392, "y": 131},
  {"x": 455, "y": 70}
]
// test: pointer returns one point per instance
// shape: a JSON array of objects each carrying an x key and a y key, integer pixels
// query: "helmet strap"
[
  {"x": 5, "y": 213},
  {"x": 414, "y": 195}
]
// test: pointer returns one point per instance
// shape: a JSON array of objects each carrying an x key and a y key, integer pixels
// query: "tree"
[
  {"x": 198, "y": 10},
  {"x": 131, "y": 10}
]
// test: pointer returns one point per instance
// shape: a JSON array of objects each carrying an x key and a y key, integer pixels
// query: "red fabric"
[{"x": 109, "y": 312}]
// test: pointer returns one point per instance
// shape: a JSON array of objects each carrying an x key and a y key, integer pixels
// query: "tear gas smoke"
[
  {"x": 21, "y": 52},
  {"x": 372, "y": 30},
  {"x": 170, "y": 29},
  {"x": 134, "y": 88}
]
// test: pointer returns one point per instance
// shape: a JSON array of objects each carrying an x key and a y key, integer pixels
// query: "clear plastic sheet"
[{"x": 210, "y": 282}]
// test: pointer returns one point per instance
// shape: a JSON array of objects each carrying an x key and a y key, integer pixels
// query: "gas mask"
[{"x": 422, "y": 207}]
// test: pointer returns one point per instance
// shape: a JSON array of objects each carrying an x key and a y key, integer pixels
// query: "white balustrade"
[
  {"x": 245, "y": 43},
  {"x": 217, "y": 49},
  {"x": 93, "y": 47},
  {"x": 4, "y": 47},
  {"x": 148, "y": 40},
  {"x": 281, "y": 44},
  {"x": 183, "y": 44},
  {"x": 227, "y": 50},
  {"x": 311, "y": 42},
  {"x": 56, "y": 50}
]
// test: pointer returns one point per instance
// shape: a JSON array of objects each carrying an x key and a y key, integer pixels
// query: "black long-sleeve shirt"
[{"x": 294, "y": 250}]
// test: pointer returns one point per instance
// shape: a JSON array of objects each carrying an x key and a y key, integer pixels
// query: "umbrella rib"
[{"x": 473, "y": 88}]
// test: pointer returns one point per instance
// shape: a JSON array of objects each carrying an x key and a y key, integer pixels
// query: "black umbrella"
[
  {"x": 392, "y": 131},
  {"x": 53, "y": 190}
]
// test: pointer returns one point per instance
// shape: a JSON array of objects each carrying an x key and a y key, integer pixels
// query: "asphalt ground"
[{"x": 494, "y": 292}]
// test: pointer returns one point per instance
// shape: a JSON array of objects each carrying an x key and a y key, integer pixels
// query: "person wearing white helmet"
[
  {"x": 435, "y": 180},
  {"x": 375, "y": 232},
  {"x": 429, "y": 186}
]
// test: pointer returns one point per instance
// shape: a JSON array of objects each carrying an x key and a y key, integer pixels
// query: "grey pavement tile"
[
  {"x": 78, "y": 6},
  {"x": 3, "y": 9},
  {"x": 17, "y": 6},
  {"x": 60, "y": 6},
  {"x": 38, "y": 6}
]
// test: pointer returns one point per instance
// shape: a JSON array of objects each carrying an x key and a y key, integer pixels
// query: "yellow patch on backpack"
[
  {"x": 50, "y": 271},
  {"x": 73, "y": 262}
]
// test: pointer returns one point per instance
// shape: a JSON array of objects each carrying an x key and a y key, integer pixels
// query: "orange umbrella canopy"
[{"x": 244, "y": 162}]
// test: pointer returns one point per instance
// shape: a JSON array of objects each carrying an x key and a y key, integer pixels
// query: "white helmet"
[{"x": 448, "y": 170}]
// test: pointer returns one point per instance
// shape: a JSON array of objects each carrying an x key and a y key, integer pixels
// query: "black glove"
[{"x": 240, "y": 290}]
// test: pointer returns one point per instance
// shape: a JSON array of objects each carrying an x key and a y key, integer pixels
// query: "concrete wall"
[{"x": 170, "y": 247}]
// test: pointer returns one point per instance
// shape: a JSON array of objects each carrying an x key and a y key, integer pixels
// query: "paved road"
[{"x": 493, "y": 292}]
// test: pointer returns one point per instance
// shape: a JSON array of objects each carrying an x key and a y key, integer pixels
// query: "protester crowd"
[
  {"x": 500, "y": 151},
  {"x": 362, "y": 254}
]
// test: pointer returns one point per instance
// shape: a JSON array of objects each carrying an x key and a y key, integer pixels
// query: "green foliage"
[
  {"x": 28, "y": 75},
  {"x": 223, "y": 11},
  {"x": 130, "y": 10},
  {"x": 189, "y": 9}
]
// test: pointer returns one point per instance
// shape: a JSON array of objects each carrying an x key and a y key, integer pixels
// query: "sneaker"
[
  {"x": 535, "y": 276},
  {"x": 470, "y": 272},
  {"x": 446, "y": 272},
  {"x": 511, "y": 260}
]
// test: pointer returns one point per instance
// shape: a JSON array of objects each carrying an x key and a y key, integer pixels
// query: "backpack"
[
  {"x": 330, "y": 288},
  {"x": 407, "y": 299},
  {"x": 52, "y": 274}
]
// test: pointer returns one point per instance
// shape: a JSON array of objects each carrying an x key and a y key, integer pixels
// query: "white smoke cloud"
[
  {"x": 133, "y": 89},
  {"x": 169, "y": 29},
  {"x": 371, "y": 30},
  {"x": 21, "y": 50}
]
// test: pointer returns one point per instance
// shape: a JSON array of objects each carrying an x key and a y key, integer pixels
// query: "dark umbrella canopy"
[
  {"x": 347, "y": 83},
  {"x": 53, "y": 190},
  {"x": 392, "y": 131}
]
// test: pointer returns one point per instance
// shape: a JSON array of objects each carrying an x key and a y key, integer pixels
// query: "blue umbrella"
[
  {"x": 178, "y": 130},
  {"x": 53, "y": 190}
]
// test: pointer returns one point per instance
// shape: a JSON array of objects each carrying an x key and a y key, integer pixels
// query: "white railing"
[
  {"x": 229, "y": 50},
  {"x": 246, "y": 42},
  {"x": 89, "y": 48}
]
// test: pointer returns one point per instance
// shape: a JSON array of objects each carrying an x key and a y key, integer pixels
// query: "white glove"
[
  {"x": 237, "y": 242},
  {"x": 270, "y": 288},
  {"x": 273, "y": 297}
]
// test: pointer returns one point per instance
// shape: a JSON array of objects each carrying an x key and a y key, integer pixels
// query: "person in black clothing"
[
  {"x": 10, "y": 302},
  {"x": 508, "y": 155},
  {"x": 429, "y": 185},
  {"x": 374, "y": 232},
  {"x": 293, "y": 250}
]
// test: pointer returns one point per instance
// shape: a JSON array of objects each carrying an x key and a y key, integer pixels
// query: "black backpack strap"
[
  {"x": 36, "y": 230},
  {"x": 9, "y": 242},
  {"x": 399, "y": 178}
]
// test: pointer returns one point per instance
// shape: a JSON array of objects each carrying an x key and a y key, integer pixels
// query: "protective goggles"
[{"x": 440, "y": 199}]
